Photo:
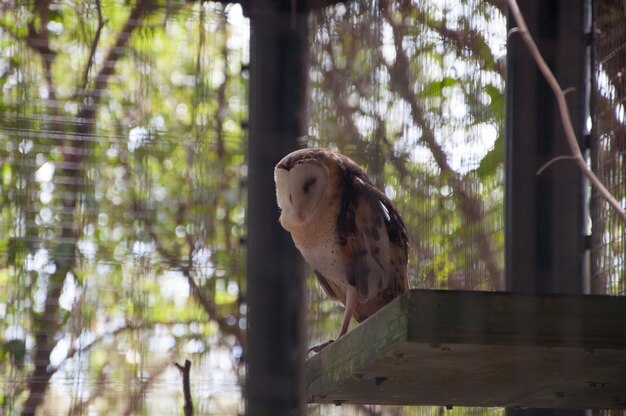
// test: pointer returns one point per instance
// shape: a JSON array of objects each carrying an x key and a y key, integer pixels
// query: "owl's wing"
[
  {"x": 375, "y": 241},
  {"x": 333, "y": 290}
]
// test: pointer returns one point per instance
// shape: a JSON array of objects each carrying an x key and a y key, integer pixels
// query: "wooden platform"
[{"x": 480, "y": 349}]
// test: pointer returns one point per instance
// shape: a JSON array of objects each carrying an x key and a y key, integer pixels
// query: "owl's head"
[{"x": 301, "y": 180}]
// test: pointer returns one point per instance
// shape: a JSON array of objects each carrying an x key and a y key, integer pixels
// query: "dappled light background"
[
  {"x": 122, "y": 206},
  {"x": 123, "y": 174},
  {"x": 414, "y": 93},
  {"x": 608, "y": 147}
]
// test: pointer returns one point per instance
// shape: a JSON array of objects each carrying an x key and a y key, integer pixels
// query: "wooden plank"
[{"x": 480, "y": 349}]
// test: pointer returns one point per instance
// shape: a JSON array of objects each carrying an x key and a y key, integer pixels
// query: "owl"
[{"x": 347, "y": 230}]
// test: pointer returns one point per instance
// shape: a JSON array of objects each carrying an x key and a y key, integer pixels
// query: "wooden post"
[{"x": 275, "y": 286}]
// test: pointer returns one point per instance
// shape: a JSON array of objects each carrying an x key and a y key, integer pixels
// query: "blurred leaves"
[
  {"x": 154, "y": 239},
  {"x": 123, "y": 205},
  {"x": 15, "y": 351},
  {"x": 414, "y": 93}
]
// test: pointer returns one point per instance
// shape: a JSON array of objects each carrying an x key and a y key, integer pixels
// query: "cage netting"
[
  {"x": 608, "y": 141},
  {"x": 413, "y": 92},
  {"x": 123, "y": 171},
  {"x": 121, "y": 205}
]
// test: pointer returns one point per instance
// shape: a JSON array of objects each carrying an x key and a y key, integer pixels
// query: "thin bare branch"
[
  {"x": 199, "y": 294},
  {"x": 552, "y": 161},
  {"x": 117, "y": 50},
  {"x": 463, "y": 40},
  {"x": 512, "y": 31},
  {"x": 185, "y": 372},
  {"x": 566, "y": 119},
  {"x": 568, "y": 90},
  {"x": 94, "y": 47}
]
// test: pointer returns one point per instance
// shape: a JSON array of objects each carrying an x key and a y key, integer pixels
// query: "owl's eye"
[{"x": 308, "y": 184}]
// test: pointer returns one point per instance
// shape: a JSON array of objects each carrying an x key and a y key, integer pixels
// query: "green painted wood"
[{"x": 480, "y": 349}]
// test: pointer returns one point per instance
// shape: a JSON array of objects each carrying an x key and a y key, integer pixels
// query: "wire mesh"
[
  {"x": 609, "y": 146},
  {"x": 123, "y": 181},
  {"x": 121, "y": 206},
  {"x": 414, "y": 94}
]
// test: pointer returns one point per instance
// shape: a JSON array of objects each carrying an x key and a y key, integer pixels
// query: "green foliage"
[
  {"x": 15, "y": 351},
  {"x": 384, "y": 81},
  {"x": 492, "y": 161},
  {"x": 127, "y": 219},
  {"x": 435, "y": 88},
  {"x": 414, "y": 93}
]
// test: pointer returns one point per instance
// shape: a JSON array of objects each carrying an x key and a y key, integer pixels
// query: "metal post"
[
  {"x": 275, "y": 346},
  {"x": 544, "y": 214}
]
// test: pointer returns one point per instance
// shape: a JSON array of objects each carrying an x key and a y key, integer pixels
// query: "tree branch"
[
  {"x": 99, "y": 338},
  {"x": 93, "y": 47},
  {"x": 552, "y": 161},
  {"x": 184, "y": 372},
  {"x": 566, "y": 120},
  {"x": 206, "y": 302},
  {"x": 462, "y": 39},
  {"x": 64, "y": 252},
  {"x": 471, "y": 206}
]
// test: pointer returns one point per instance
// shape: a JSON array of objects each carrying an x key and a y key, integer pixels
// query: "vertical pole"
[
  {"x": 544, "y": 214},
  {"x": 275, "y": 286}
]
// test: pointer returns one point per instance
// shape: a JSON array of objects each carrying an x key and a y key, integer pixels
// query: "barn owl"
[{"x": 347, "y": 230}]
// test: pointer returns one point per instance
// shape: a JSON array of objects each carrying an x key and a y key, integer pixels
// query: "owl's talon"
[{"x": 317, "y": 348}]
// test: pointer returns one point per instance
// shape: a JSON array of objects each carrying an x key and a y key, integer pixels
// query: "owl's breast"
[{"x": 320, "y": 248}]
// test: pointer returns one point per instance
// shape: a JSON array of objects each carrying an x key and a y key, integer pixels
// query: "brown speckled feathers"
[
  {"x": 346, "y": 229},
  {"x": 365, "y": 213}
]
